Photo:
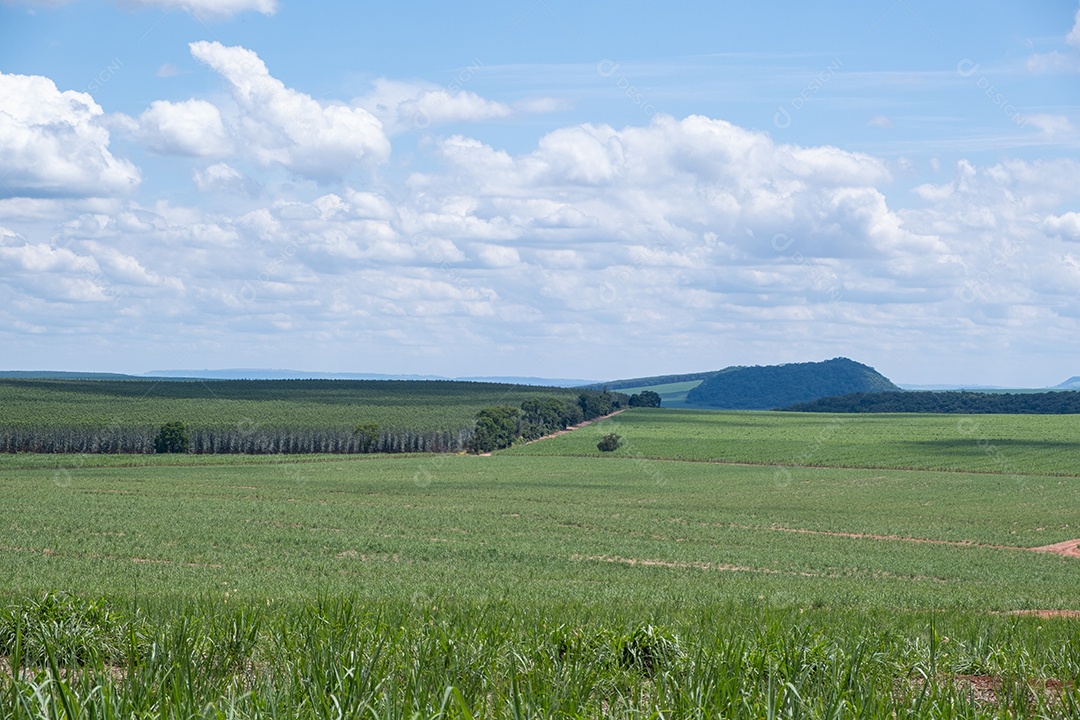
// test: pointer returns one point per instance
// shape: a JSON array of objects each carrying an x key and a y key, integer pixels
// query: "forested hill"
[
  {"x": 971, "y": 403},
  {"x": 776, "y": 386}
]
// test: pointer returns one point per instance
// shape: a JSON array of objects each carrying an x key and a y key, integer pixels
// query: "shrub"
[
  {"x": 71, "y": 630},
  {"x": 609, "y": 443},
  {"x": 647, "y": 649}
]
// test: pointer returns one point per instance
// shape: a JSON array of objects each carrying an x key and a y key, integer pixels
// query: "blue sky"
[{"x": 541, "y": 188}]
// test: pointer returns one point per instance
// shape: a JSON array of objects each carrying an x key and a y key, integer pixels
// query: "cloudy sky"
[{"x": 541, "y": 187}]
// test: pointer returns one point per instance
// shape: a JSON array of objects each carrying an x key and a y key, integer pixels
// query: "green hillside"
[
  {"x": 671, "y": 394},
  {"x": 651, "y": 383},
  {"x": 774, "y": 386}
]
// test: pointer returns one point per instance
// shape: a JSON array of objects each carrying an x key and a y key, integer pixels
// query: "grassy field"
[
  {"x": 269, "y": 403},
  {"x": 551, "y": 581},
  {"x": 247, "y": 416},
  {"x": 672, "y": 394},
  {"x": 1002, "y": 444}
]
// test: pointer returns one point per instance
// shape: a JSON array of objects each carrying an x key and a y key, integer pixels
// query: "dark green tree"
[
  {"x": 647, "y": 398},
  {"x": 369, "y": 436},
  {"x": 609, "y": 443},
  {"x": 496, "y": 428},
  {"x": 172, "y": 438},
  {"x": 595, "y": 404}
]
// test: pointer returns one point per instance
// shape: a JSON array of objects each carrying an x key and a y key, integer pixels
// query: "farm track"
[
  {"x": 728, "y": 567},
  {"x": 576, "y": 427},
  {"x": 1068, "y": 548}
]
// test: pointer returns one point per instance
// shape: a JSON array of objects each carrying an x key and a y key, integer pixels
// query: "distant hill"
[
  {"x": 1072, "y": 383},
  {"x": 269, "y": 374},
  {"x": 765, "y": 387},
  {"x": 1055, "y": 402},
  {"x": 64, "y": 375},
  {"x": 272, "y": 374}
]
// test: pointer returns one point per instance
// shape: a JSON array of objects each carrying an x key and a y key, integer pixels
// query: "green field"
[
  {"x": 705, "y": 569},
  {"x": 671, "y": 394},
  {"x": 1002, "y": 444},
  {"x": 248, "y": 415},
  {"x": 254, "y": 403}
]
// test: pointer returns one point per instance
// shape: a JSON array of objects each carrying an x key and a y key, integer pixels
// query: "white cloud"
[
  {"x": 1066, "y": 226},
  {"x": 168, "y": 70},
  {"x": 223, "y": 178},
  {"x": 1056, "y": 61},
  {"x": 1052, "y": 62},
  {"x": 212, "y": 8},
  {"x": 403, "y": 106},
  {"x": 687, "y": 233},
  {"x": 192, "y": 127},
  {"x": 204, "y": 8},
  {"x": 676, "y": 179},
  {"x": 496, "y": 256},
  {"x": 52, "y": 143},
  {"x": 276, "y": 125},
  {"x": 1051, "y": 126}
]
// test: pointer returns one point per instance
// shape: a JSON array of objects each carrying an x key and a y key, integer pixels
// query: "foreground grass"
[{"x": 332, "y": 658}]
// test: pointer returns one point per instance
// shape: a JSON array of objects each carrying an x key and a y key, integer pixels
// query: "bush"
[
  {"x": 171, "y": 438},
  {"x": 71, "y": 630},
  {"x": 609, "y": 443},
  {"x": 648, "y": 649}
]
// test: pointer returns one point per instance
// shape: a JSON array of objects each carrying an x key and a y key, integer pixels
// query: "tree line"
[
  {"x": 496, "y": 427},
  {"x": 963, "y": 402},
  {"x": 501, "y": 426},
  {"x": 238, "y": 440}
]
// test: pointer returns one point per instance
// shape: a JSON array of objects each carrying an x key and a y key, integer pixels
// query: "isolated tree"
[
  {"x": 609, "y": 443},
  {"x": 172, "y": 438},
  {"x": 369, "y": 436}
]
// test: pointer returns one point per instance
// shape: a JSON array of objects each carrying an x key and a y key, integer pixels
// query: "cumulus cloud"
[
  {"x": 276, "y": 125},
  {"x": 223, "y": 178},
  {"x": 1066, "y": 226},
  {"x": 403, "y": 106},
  {"x": 192, "y": 127},
  {"x": 1073, "y": 38},
  {"x": 680, "y": 179},
  {"x": 52, "y": 143},
  {"x": 686, "y": 233}
]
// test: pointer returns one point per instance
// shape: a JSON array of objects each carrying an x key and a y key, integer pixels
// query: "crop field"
[
  {"x": 671, "y": 393},
  {"x": 551, "y": 580},
  {"x": 1002, "y": 444},
  {"x": 93, "y": 415}
]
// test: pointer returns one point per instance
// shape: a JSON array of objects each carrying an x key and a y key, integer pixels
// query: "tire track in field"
[
  {"x": 1068, "y": 548},
  {"x": 728, "y": 567}
]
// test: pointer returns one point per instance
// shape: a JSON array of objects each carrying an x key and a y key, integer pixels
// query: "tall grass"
[{"x": 340, "y": 657}]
